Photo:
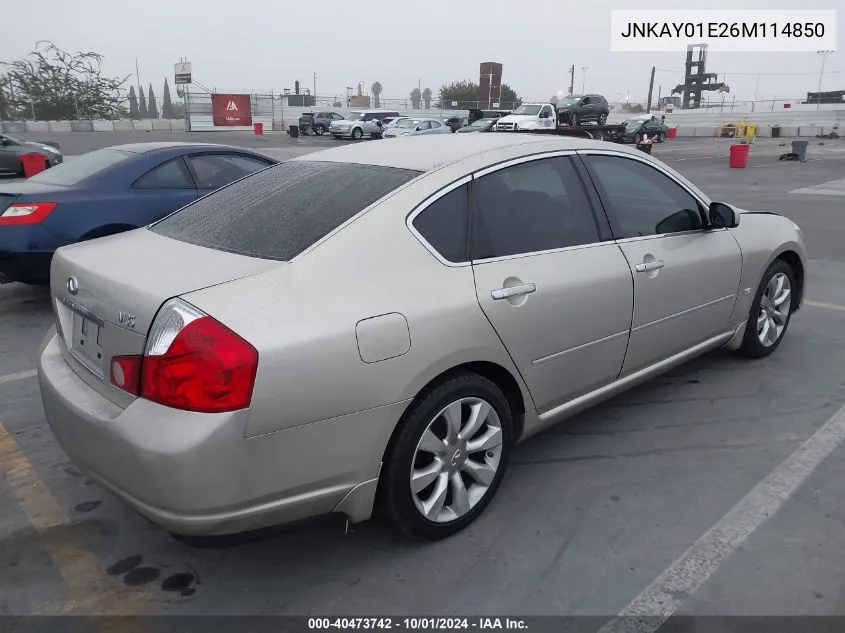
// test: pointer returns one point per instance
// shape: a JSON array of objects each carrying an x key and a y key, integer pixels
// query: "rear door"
[
  {"x": 214, "y": 170},
  {"x": 686, "y": 277},
  {"x": 549, "y": 278}
]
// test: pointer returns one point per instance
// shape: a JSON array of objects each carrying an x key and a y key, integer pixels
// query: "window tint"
[
  {"x": 535, "y": 206},
  {"x": 424, "y": 125},
  {"x": 443, "y": 224},
  {"x": 642, "y": 200},
  {"x": 81, "y": 167},
  {"x": 281, "y": 211},
  {"x": 435, "y": 124},
  {"x": 213, "y": 171},
  {"x": 336, "y": 116},
  {"x": 170, "y": 175}
]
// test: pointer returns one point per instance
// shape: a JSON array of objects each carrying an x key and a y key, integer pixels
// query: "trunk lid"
[{"x": 106, "y": 293}]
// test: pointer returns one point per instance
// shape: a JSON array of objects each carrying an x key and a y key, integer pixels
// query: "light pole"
[
  {"x": 584, "y": 70},
  {"x": 824, "y": 55}
]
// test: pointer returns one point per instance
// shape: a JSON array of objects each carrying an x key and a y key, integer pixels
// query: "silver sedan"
[
  {"x": 329, "y": 331},
  {"x": 417, "y": 127}
]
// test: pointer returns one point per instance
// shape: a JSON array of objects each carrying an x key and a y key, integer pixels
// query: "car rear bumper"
[
  {"x": 26, "y": 252},
  {"x": 196, "y": 473}
]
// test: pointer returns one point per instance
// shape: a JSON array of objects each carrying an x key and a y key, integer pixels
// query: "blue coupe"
[{"x": 108, "y": 191}]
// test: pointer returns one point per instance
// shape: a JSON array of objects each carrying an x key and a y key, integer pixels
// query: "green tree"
[
  {"x": 134, "y": 114},
  {"x": 426, "y": 95},
  {"x": 152, "y": 109},
  {"x": 166, "y": 103},
  {"x": 57, "y": 85},
  {"x": 416, "y": 98},
  {"x": 459, "y": 95},
  {"x": 5, "y": 106},
  {"x": 376, "y": 90},
  {"x": 142, "y": 104},
  {"x": 508, "y": 98}
]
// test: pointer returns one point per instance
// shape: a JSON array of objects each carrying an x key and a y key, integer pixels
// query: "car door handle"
[
  {"x": 646, "y": 266},
  {"x": 513, "y": 291}
]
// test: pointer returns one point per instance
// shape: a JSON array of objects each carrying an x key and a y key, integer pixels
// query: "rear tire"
[
  {"x": 357, "y": 134},
  {"x": 660, "y": 137},
  {"x": 771, "y": 312},
  {"x": 573, "y": 119},
  {"x": 602, "y": 118},
  {"x": 456, "y": 468},
  {"x": 320, "y": 130}
]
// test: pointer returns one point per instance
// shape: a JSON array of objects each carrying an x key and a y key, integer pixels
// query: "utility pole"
[
  {"x": 315, "y": 89},
  {"x": 824, "y": 55},
  {"x": 584, "y": 70},
  {"x": 137, "y": 77},
  {"x": 571, "y": 78},
  {"x": 650, "y": 90}
]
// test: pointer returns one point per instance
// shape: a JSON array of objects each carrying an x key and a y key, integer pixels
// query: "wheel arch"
[{"x": 794, "y": 260}]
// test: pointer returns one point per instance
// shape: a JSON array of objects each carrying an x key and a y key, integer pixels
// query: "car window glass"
[
  {"x": 213, "y": 171},
  {"x": 170, "y": 175},
  {"x": 535, "y": 206},
  {"x": 434, "y": 124},
  {"x": 586, "y": 101},
  {"x": 336, "y": 116},
  {"x": 641, "y": 200},
  {"x": 82, "y": 167},
  {"x": 443, "y": 224},
  {"x": 424, "y": 125}
]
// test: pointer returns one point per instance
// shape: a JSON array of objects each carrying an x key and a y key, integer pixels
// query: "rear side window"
[
  {"x": 279, "y": 212},
  {"x": 443, "y": 224},
  {"x": 81, "y": 167}
]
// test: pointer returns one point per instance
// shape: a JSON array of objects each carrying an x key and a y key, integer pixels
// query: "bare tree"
[{"x": 53, "y": 84}]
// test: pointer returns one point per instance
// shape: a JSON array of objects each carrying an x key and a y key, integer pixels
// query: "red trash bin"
[
  {"x": 33, "y": 164},
  {"x": 673, "y": 133},
  {"x": 259, "y": 128},
  {"x": 739, "y": 156}
]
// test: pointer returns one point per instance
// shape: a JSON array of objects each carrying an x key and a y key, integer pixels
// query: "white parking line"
[
  {"x": 684, "y": 577},
  {"x": 21, "y": 375}
]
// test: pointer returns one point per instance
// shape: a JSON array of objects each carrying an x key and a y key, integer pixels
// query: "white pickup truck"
[{"x": 529, "y": 117}]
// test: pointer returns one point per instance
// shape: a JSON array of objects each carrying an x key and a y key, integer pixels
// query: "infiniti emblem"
[{"x": 72, "y": 285}]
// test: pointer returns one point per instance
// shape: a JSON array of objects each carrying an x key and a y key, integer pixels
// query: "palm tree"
[
  {"x": 416, "y": 98},
  {"x": 376, "y": 90},
  {"x": 426, "y": 95}
]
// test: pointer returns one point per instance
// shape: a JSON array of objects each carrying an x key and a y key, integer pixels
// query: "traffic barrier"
[
  {"x": 177, "y": 125},
  {"x": 15, "y": 127},
  {"x": 32, "y": 164},
  {"x": 705, "y": 132},
  {"x": 764, "y": 131},
  {"x": 810, "y": 130},
  {"x": 788, "y": 131},
  {"x": 142, "y": 126},
  {"x": 162, "y": 125},
  {"x": 37, "y": 126},
  {"x": 259, "y": 129},
  {"x": 103, "y": 125},
  {"x": 739, "y": 156},
  {"x": 123, "y": 126},
  {"x": 685, "y": 131},
  {"x": 673, "y": 133},
  {"x": 60, "y": 126},
  {"x": 81, "y": 126}
]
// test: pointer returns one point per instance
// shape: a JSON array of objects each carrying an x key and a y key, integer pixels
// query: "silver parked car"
[
  {"x": 328, "y": 332},
  {"x": 360, "y": 123},
  {"x": 417, "y": 127}
]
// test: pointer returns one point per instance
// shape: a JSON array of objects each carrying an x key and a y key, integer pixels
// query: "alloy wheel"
[
  {"x": 456, "y": 460},
  {"x": 774, "y": 309}
]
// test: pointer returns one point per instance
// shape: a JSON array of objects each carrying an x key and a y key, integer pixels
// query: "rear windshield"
[
  {"x": 80, "y": 168},
  {"x": 279, "y": 212}
]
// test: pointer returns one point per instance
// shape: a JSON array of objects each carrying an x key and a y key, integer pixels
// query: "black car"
[
  {"x": 480, "y": 125},
  {"x": 576, "y": 109},
  {"x": 318, "y": 123},
  {"x": 455, "y": 123},
  {"x": 11, "y": 150},
  {"x": 638, "y": 127}
]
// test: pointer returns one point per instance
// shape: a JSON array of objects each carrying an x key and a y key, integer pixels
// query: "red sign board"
[{"x": 229, "y": 110}]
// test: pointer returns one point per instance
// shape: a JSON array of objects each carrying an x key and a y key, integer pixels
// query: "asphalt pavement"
[{"x": 713, "y": 490}]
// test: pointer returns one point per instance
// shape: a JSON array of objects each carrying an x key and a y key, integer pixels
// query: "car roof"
[
  {"x": 143, "y": 148},
  {"x": 427, "y": 152}
]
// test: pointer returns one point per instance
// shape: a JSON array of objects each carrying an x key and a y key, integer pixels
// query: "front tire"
[
  {"x": 357, "y": 134},
  {"x": 320, "y": 130},
  {"x": 573, "y": 119},
  {"x": 448, "y": 458},
  {"x": 770, "y": 313},
  {"x": 602, "y": 118}
]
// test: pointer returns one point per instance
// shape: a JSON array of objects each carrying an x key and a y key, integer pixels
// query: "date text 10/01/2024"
[
  {"x": 417, "y": 624},
  {"x": 750, "y": 30}
]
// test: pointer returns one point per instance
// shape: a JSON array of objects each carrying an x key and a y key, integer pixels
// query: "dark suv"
[
  {"x": 318, "y": 123},
  {"x": 576, "y": 109}
]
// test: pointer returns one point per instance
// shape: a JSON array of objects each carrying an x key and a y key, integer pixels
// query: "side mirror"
[
  {"x": 683, "y": 220},
  {"x": 722, "y": 215}
]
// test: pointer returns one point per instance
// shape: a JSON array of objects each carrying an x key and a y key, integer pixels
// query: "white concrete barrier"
[
  {"x": 764, "y": 131},
  {"x": 162, "y": 125},
  {"x": 59, "y": 126},
  {"x": 705, "y": 132},
  {"x": 810, "y": 130},
  {"x": 123, "y": 126},
  {"x": 177, "y": 125},
  {"x": 685, "y": 131},
  {"x": 37, "y": 126},
  {"x": 102, "y": 125},
  {"x": 789, "y": 131},
  {"x": 81, "y": 126},
  {"x": 142, "y": 126}
]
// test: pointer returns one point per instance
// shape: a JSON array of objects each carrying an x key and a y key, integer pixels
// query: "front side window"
[
  {"x": 443, "y": 224},
  {"x": 213, "y": 171},
  {"x": 536, "y": 206},
  {"x": 641, "y": 200}
]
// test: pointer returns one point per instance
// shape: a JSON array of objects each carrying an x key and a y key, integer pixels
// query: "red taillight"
[
  {"x": 26, "y": 212},
  {"x": 192, "y": 362},
  {"x": 125, "y": 373}
]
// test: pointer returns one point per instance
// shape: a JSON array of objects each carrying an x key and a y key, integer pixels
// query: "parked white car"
[
  {"x": 359, "y": 123},
  {"x": 415, "y": 127}
]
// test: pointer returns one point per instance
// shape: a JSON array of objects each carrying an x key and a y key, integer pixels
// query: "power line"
[{"x": 813, "y": 73}]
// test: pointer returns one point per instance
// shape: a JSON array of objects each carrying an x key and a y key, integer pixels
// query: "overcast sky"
[{"x": 259, "y": 45}]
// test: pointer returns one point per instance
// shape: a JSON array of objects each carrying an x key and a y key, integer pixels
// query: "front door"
[
  {"x": 559, "y": 296},
  {"x": 686, "y": 277}
]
